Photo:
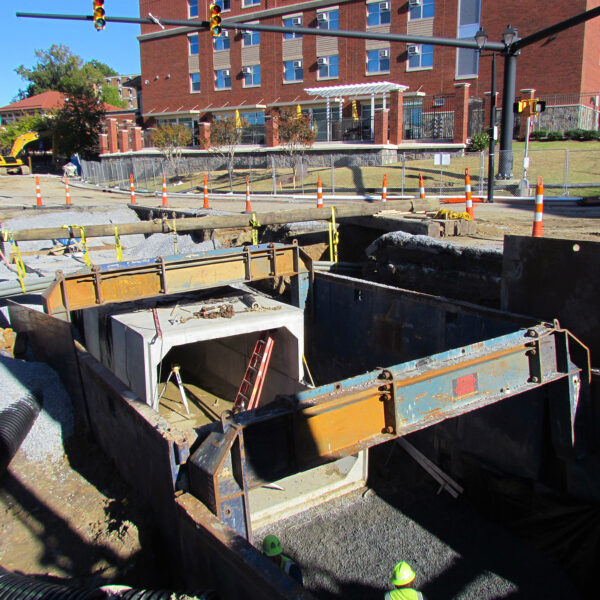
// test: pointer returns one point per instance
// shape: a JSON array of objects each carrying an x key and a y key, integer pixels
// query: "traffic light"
[
  {"x": 520, "y": 106},
  {"x": 215, "y": 20},
  {"x": 538, "y": 106},
  {"x": 99, "y": 22}
]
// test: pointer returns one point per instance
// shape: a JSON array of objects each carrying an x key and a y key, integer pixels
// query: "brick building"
[{"x": 431, "y": 92}]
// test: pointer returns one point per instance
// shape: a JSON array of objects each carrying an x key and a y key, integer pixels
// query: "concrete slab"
[
  {"x": 307, "y": 489},
  {"x": 212, "y": 350}
]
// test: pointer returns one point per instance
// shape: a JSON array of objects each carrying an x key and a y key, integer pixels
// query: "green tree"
[
  {"x": 110, "y": 95},
  {"x": 295, "y": 137},
  {"x": 60, "y": 70},
  {"x": 56, "y": 68},
  {"x": 10, "y": 132},
  {"x": 78, "y": 123},
  {"x": 170, "y": 141},
  {"x": 225, "y": 136}
]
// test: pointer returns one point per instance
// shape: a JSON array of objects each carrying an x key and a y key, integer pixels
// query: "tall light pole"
[
  {"x": 481, "y": 38},
  {"x": 505, "y": 163}
]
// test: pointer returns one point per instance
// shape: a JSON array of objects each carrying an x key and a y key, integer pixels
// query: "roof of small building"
[{"x": 45, "y": 101}]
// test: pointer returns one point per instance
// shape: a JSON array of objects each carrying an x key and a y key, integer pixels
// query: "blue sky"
[{"x": 117, "y": 45}]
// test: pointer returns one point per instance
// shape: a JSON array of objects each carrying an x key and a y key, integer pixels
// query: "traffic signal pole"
[{"x": 505, "y": 160}]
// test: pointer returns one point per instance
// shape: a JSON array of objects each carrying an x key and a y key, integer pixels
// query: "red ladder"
[{"x": 248, "y": 395}]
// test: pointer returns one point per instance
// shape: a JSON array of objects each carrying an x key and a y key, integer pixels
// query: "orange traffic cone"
[
  {"x": 67, "y": 193},
  {"x": 468, "y": 195},
  {"x": 384, "y": 190},
  {"x": 38, "y": 193},
  {"x": 319, "y": 193},
  {"x": 132, "y": 188},
  {"x": 248, "y": 204},
  {"x": 421, "y": 186},
  {"x": 165, "y": 199},
  {"x": 538, "y": 216},
  {"x": 206, "y": 191}
]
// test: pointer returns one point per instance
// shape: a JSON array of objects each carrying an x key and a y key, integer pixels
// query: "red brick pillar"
[
  {"x": 395, "y": 117},
  {"x": 113, "y": 145},
  {"x": 103, "y": 143},
  {"x": 204, "y": 134},
  {"x": 137, "y": 141},
  {"x": 272, "y": 129},
  {"x": 381, "y": 126},
  {"x": 526, "y": 94},
  {"x": 461, "y": 113},
  {"x": 123, "y": 140}
]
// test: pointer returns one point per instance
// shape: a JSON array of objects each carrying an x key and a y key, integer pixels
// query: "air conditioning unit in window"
[
  {"x": 322, "y": 60},
  {"x": 225, "y": 72},
  {"x": 297, "y": 21},
  {"x": 297, "y": 64},
  {"x": 384, "y": 6},
  {"x": 225, "y": 33},
  {"x": 384, "y": 54},
  {"x": 413, "y": 50},
  {"x": 414, "y": 2},
  {"x": 246, "y": 70},
  {"x": 322, "y": 17}
]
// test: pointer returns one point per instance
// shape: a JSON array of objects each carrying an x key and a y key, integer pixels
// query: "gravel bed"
[{"x": 349, "y": 546}]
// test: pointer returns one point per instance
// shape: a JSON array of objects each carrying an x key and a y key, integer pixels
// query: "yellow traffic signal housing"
[
  {"x": 215, "y": 20},
  {"x": 520, "y": 106},
  {"x": 538, "y": 106},
  {"x": 99, "y": 21}
]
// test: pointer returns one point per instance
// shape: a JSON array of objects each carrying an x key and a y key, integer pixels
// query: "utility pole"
[{"x": 505, "y": 161}]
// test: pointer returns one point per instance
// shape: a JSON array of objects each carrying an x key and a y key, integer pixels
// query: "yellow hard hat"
[
  {"x": 272, "y": 546},
  {"x": 403, "y": 574}
]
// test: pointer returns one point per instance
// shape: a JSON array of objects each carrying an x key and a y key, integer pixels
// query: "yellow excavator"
[{"x": 11, "y": 163}]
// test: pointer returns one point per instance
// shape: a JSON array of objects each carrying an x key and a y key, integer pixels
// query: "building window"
[
  {"x": 328, "y": 66},
  {"x": 254, "y": 118},
  {"x": 221, "y": 42},
  {"x": 420, "y": 56},
  {"x": 423, "y": 10},
  {"x": 222, "y": 79},
  {"x": 194, "y": 82},
  {"x": 246, "y": 3},
  {"x": 251, "y": 75},
  {"x": 224, "y": 4},
  {"x": 469, "y": 16},
  {"x": 328, "y": 19},
  {"x": 250, "y": 38},
  {"x": 193, "y": 40},
  {"x": 293, "y": 70},
  {"x": 378, "y": 61},
  {"x": 193, "y": 8},
  {"x": 378, "y": 13},
  {"x": 292, "y": 22}
]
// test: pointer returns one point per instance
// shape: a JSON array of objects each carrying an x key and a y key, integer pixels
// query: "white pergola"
[{"x": 354, "y": 90}]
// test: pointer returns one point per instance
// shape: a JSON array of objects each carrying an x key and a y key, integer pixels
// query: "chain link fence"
[{"x": 565, "y": 173}]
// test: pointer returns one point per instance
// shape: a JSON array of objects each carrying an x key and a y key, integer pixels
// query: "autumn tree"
[
  {"x": 78, "y": 123},
  {"x": 225, "y": 136},
  {"x": 170, "y": 140},
  {"x": 295, "y": 137}
]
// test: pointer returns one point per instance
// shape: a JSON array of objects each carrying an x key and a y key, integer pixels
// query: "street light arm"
[{"x": 557, "y": 28}]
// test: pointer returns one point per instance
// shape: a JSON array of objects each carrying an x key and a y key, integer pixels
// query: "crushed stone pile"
[{"x": 54, "y": 424}]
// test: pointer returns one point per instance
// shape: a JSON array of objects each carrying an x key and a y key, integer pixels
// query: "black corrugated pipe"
[
  {"x": 15, "y": 422},
  {"x": 14, "y": 586}
]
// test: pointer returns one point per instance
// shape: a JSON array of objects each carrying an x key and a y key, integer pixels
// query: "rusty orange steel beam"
[{"x": 123, "y": 282}]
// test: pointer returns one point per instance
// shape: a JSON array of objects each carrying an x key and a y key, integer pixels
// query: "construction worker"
[
  {"x": 402, "y": 577},
  {"x": 272, "y": 548}
]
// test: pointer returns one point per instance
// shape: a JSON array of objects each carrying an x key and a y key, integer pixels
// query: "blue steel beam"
[{"x": 336, "y": 420}]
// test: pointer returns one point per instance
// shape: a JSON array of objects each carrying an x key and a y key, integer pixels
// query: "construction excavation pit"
[{"x": 257, "y": 390}]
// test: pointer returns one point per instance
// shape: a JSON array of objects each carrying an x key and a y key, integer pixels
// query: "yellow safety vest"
[{"x": 404, "y": 594}]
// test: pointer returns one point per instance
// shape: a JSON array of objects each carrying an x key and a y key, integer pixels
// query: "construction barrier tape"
[
  {"x": 334, "y": 238},
  {"x": 255, "y": 225},
  {"x": 86, "y": 254},
  {"x": 118, "y": 247},
  {"x": 19, "y": 263},
  {"x": 175, "y": 236}
]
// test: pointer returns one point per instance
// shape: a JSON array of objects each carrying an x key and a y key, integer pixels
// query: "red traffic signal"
[
  {"x": 99, "y": 21},
  {"x": 215, "y": 20}
]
